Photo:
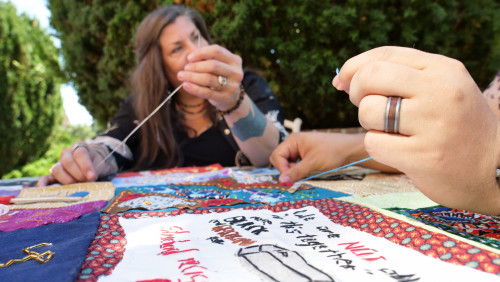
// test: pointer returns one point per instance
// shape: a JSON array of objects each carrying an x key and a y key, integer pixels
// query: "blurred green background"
[{"x": 296, "y": 45}]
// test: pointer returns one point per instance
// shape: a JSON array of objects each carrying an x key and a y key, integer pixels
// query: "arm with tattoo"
[{"x": 255, "y": 135}]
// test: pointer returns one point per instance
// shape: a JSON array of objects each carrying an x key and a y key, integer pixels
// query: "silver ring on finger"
[
  {"x": 222, "y": 81},
  {"x": 392, "y": 114},
  {"x": 78, "y": 146}
]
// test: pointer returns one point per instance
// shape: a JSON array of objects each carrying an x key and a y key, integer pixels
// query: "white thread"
[
  {"x": 140, "y": 124},
  {"x": 150, "y": 115}
]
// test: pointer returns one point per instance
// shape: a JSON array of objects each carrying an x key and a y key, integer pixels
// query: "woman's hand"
[
  {"x": 448, "y": 141},
  {"x": 304, "y": 152},
  {"x": 78, "y": 164},
  {"x": 215, "y": 74}
]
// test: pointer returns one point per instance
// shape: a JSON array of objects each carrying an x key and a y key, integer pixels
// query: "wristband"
[{"x": 237, "y": 105}]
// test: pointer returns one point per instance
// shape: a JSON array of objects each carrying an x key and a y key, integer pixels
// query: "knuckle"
[
  {"x": 454, "y": 93},
  {"x": 238, "y": 59},
  {"x": 238, "y": 75},
  {"x": 384, "y": 52},
  {"x": 367, "y": 72},
  {"x": 65, "y": 161},
  {"x": 212, "y": 66},
  {"x": 363, "y": 108},
  {"x": 54, "y": 170},
  {"x": 370, "y": 144},
  {"x": 64, "y": 152},
  {"x": 362, "y": 121},
  {"x": 456, "y": 65}
]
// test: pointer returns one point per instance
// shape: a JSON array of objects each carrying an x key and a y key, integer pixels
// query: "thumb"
[
  {"x": 45, "y": 180},
  {"x": 297, "y": 172}
]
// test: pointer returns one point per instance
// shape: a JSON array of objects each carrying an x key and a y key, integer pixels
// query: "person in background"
[
  {"x": 424, "y": 115},
  {"x": 221, "y": 114}
]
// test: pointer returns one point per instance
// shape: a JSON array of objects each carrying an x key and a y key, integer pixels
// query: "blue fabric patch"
[
  {"x": 70, "y": 241},
  {"x": 261, "y": 195}
]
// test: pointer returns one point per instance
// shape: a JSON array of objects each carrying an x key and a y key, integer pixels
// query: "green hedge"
[
  {"x": 62, "y": 138},
  {"x": 296, "y": 44},
  {"x": 30, "y": 101}
]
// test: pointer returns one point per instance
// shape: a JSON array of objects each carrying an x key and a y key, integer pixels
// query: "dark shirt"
[
  {"x": 216, "y": 144},
  {"x": 204, "y": 149}
]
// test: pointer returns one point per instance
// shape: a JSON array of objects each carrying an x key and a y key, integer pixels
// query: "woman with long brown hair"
[{"x": 221, "y": 114}]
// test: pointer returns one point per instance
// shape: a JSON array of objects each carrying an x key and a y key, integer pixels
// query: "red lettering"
[{"x": 168, "y": 241}]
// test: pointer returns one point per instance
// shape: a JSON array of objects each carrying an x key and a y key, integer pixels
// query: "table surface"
[{"x": 228, "y": 224}]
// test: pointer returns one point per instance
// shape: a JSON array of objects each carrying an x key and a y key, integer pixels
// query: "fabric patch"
[
  {"x": 217, "y": 246},
  {"x": 233, "y": 184},
  {"x": 128, "y": 200},
  {"x": 105, "y": 251},
  {"x": 195, "y": 170},
  {"x": 372, "y": 184},
  {"x": 171, "y": 178},
  {"x": 228, "y": 188},
  {"x": 69, "y": 241},
  {"x": 10, "y": 190},
  {"x": 410, "y": 200},
  {"x": 178, "y": 176},
  {"x": 481, "y": 228},
  {"x": 399, "y": 232},
  {"x": 29, "y": 218},
  {"x": 98, "y": 191}
]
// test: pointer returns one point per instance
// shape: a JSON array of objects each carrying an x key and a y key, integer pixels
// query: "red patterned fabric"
[
  {"x": 106, "y": 251},
  {"x": 213, "y": 167},
  {"x": 358, "y": 217}
]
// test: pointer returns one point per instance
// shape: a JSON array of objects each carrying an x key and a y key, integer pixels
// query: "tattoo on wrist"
[{"x": 253, "y": 125}]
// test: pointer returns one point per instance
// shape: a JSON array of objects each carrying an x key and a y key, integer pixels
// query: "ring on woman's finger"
[
  {"x": 392, "y": 113},
  {"x": 222, "y": 81},
  {"x": 52, "y": 167},
  {"x": 78, "y": 146}
]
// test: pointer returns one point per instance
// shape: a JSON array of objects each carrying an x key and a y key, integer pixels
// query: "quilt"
[
  {"x": 19, "y": 216},
  {"x": 231, "y": 224},
  {"x": 327, "y": 239}
]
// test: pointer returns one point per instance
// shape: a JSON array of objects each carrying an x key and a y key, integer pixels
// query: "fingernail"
[
  {"x": 180, "y": 75},
  {"x": 90, "y": 175},
  {"x": 188, "y": 67},
  {"x": 336, "y": 82},
  {"x": 284, "y": 178},
  {"x": 187, "y": 86},
  {"x": 190, "y": 57}
]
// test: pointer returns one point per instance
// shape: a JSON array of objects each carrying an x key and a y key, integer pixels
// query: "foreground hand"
[
  {"x": 75, "y": 165},
  {"x": 448, "y": 141},
  {"x": 215, "y": 74},
  {"x": 316, "y": 151}
]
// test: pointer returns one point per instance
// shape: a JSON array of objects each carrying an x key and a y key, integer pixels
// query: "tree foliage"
[
  {"x": 297, "y": 45},
  {"x": 30, "y": 101},
  {"x": 63, "y": 137},
  {"x": 96, "y": 41}
]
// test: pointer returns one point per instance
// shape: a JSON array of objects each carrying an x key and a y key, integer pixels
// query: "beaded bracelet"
[{"x": 238, "y": 103}]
